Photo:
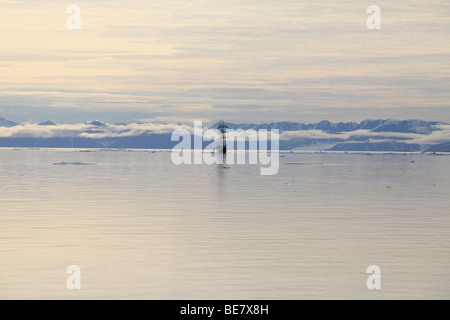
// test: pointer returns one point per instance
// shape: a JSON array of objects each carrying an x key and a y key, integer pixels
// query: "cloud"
[
  {"x": 250, "y": 60},
  {"x": 131, "y": 130},
  {"x": 318, "y": 134},
  {"x": 36, "y": 131},
  {"x": 436, "y": 137},
  {"x": 85, "y": 130}
]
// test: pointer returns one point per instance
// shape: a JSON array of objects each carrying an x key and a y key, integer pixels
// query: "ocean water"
[{"x": 140, "y": 227}]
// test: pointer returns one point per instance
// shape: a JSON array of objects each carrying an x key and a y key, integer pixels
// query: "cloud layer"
[
  {"x": 92, "y": 130},
  {"x": 248, "y": 61}
]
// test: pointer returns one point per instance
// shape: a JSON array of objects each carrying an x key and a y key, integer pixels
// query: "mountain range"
[{"x": 369, "y": 135}]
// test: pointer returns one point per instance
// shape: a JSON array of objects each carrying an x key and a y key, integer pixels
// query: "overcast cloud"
[{"x": 242, "y": 60}]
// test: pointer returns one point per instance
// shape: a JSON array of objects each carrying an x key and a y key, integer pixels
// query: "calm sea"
[{"x": 140, "y": 227}]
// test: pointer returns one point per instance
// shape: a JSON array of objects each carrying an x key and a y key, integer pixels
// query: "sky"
[{"x": 245, "y": 61}]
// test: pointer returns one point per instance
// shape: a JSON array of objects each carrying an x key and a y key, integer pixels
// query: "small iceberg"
[{"x": 73, "y": 164}]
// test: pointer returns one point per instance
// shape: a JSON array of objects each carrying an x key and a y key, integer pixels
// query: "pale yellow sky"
[{"x": 246, "y": 61}]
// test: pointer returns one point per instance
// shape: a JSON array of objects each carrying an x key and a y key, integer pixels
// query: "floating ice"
[{"x": 73, "y": 164}]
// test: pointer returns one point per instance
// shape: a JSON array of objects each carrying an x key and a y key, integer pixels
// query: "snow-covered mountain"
[
  {"x": 368, "y": 135},
  {"x": 389, "y": 125},
  {"x": 7, "y": 123},
  {"x": 47, "y": 123}
]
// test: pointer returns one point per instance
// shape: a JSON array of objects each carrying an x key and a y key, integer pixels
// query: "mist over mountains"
[{"x": 368, "y": 135}]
